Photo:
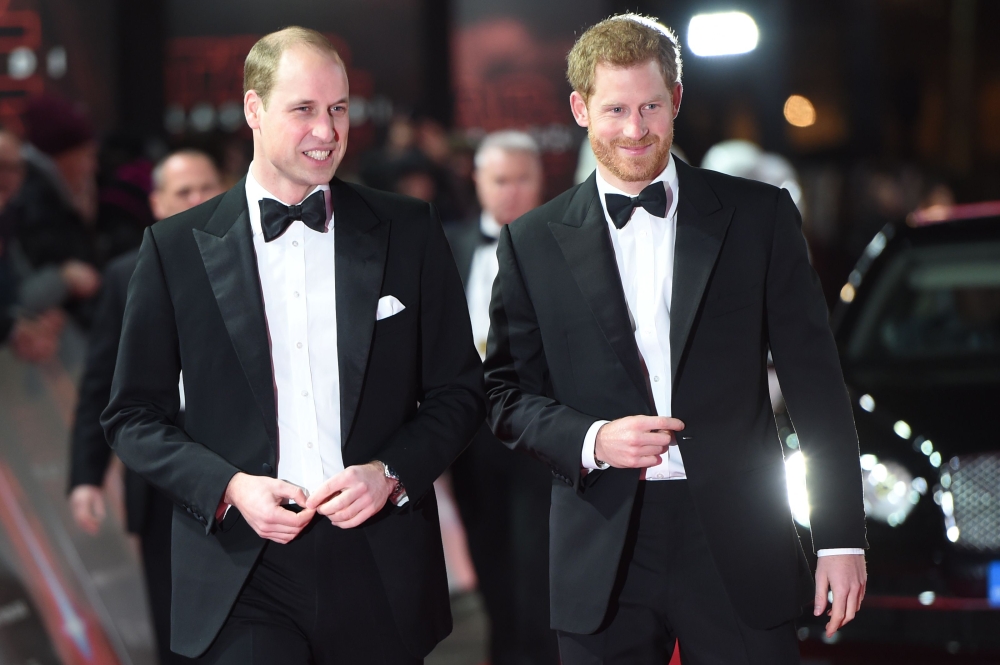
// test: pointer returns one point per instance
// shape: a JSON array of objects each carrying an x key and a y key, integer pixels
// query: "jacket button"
[{"x": 266, "y": 468}]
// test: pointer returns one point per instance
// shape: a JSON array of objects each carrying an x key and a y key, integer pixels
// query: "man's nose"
[
  {"x": 635, "y": 126},
  {"x": 324, "y": 130}
]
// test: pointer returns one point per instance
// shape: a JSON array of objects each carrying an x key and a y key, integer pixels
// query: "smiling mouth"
[
  {"x": 318, "y": 155},
  {"x": 635, "y": 148}
]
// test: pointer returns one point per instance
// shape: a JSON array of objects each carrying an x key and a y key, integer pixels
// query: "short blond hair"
[
  {"x": 262, "y": 61},
  {"x": 624, "y": 40}
]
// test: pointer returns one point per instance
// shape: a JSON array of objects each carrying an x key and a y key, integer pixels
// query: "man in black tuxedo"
[
  {"x": 181, "y": 180},
  {"x": 631, "y": 323},
  {"x": 503, "y": 497},
  {"x": 329, "y": 378}
]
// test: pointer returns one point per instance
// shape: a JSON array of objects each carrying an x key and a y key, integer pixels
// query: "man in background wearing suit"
[
  {"x": 329, "y": 378},
  {"x": 503, "y": 497},
  {"x": 181, "y": 180},
  {"x": 631, "y": 322}
]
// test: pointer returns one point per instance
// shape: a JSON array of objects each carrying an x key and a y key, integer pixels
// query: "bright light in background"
[
  {"x": 890, "y": 490},
  {"x": 725, "y": 33},
  {"x": 902, "y": 429},
  {"x": 799, "y": 111},
  {"x": 798, "y": 496}
]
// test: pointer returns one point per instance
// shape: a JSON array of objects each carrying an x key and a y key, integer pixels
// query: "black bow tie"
[
  {"x": 653, "y": 199},
  {"x": 276, "y": 217}
]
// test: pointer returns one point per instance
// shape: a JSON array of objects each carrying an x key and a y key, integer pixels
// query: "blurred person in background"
[
  {"x": 30, "y": 320},
  {"x": 59, "y": 197},
  {"x": 630, "y": 322},
  {"x": 416, "y": 160},
  {"x": 181, "y": 181},
  {"x": 414, "y": 175},
  {"x": 56, "y": 210},
  {"x": 503, "y": 497}
]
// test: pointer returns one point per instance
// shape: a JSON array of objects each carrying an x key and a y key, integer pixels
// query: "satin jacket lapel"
[
  {"x": 361, "y": 240},
  {"x": 702, "y": 223},
  {"x": 585, "y": 242},
  {"x": 226, "y": 247}
]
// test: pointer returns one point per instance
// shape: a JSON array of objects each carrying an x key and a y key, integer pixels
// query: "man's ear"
[
  {"x": 154, "y": 205},
  {"x": 252, "y": 108},
  {"x": 675, "y": 98},
  {"x": 579, "y": 108}
]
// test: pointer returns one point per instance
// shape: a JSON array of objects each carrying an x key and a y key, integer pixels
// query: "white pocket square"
[{"x": 387, "y": 306}]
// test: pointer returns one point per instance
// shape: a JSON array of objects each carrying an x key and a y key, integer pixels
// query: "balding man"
[
  {"x": 503, "y": 497},
  {"x": 181, "y": 181}
]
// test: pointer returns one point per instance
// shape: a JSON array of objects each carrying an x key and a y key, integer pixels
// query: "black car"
[{"x": 918, "y": 330}]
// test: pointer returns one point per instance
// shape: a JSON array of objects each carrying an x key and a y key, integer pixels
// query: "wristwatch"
[{"x": 398, "y": 496}]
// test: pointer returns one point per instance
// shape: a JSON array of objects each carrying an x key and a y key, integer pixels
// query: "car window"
[{"x": 940, "y": 302}]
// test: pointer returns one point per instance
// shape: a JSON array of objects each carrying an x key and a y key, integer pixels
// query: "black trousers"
[
  {"x": 669, "y": 588},
  {"x": 503, "y": 498},
  {"x": 318, "y": 600}
]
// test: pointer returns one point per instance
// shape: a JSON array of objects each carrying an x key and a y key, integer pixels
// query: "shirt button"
[
  {"x": 298, "y": 345},
  {"x": 655, "y": 378},
  {"x": 295, "y": 293},
  {"x": 659, "y": 476},
  {"x": 305, "y": 393},
  {"x": 309, "y": 444},
  {"x": 295, "y": 243}
]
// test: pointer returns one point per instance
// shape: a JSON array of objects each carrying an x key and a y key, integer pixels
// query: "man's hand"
[
  {"x": 635, "y": 442},
  {"x": 36, "y": 339},
  {"x": 845, "y": 574},
  {"x": 354, "y": 495},
  {"x": 86, "y": 502},
  {"x": 258, "y": 498},
  {"x": 81, "y": 279}
]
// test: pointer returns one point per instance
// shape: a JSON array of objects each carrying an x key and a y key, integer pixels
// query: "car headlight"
[{"x": 890, "y": 490}]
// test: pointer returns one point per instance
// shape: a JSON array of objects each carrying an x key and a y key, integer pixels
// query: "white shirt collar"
[
  {"x": 256, "y": 192},
  {"x": 489, "y": 226},
  {"x": 668, "y": 176}
]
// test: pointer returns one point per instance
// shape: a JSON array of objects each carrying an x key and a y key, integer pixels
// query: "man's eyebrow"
[{"x": 312, "y": 102}]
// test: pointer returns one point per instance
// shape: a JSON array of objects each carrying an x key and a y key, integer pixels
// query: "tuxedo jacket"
[
  {"x": 562, "y": 354},
  {"x": 465, "y": 238},
  {"x": 89, "y": 451},
  {"x": 410, "y": 385}
]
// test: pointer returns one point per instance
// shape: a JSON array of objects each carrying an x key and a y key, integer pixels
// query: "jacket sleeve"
[
  {"x": 522, "y": 414},
  {"x": 452, "y": 400},
  {"x": 89, "y": 450},
  {"x": 812, "y": 382},
  {"x": 140, "y": 420}
]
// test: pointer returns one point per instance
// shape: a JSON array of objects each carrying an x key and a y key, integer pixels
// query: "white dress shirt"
[
  {"x": 479, "y": 286},
  {"x": 644, "y": 251},
  {"x": 298, "y": 282}
]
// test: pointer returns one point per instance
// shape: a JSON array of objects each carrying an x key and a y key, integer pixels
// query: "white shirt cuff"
[
  {"x": 841, "y": 550},
  {"x": 589, "y": 443}
]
